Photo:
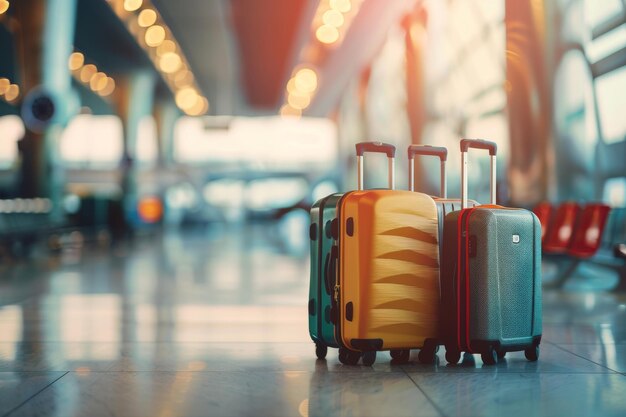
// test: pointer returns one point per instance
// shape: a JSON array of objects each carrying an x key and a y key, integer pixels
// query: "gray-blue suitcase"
[{"x": 491, "y": 276}]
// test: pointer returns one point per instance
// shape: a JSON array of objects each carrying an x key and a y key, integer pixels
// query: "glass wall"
[
  {"x": 543, "y": 79},
  {"x": 461, "y": 53},
  {"x": 590, "y": 77}
]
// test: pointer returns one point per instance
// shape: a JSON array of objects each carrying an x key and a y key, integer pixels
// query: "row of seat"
[{"x": 593, "y": 232}]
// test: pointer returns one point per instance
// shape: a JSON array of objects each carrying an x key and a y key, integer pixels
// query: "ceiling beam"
[{"x": 360, "y": 46}]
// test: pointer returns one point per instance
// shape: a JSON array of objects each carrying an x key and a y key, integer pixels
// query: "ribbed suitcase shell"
[
  {"x": 504, "y": 280},
  {"x": 321, "y": 328},
  {"x": 388, "y": 270}
]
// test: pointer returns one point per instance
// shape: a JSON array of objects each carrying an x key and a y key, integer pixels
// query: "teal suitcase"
[
  {"x": 322, "y": 280},
  {"x": 491, "y": 276}
]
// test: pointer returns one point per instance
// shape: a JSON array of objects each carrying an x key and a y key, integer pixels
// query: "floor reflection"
[{"x": 213, "y": 321}]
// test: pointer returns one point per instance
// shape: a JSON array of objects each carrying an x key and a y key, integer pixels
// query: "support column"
[
  {"x": 166, "y": 114},
  {"x": 529, "y": 94},
  {"x": 135, "y": 101},
  {"x": 415, "y": 38},
  {"x": 45, "y": 42}
]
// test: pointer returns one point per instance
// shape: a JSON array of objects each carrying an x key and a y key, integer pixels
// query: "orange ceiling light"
[
  {"x": 145, "y": 23},
  {"x": 332, "y": 19},
  {"x": 155, "y": 35},
  {"x": 330, "y": 24},
  {"x": 327, "y": 34},
  {"x": 147, "y": 18},
  {"x": 343, "y": 6},
  {"x": 87, "y": 72},
  {"x": 4, "y": 6},
  {"x": 201, "y": 106},
  {"x": 132, "y": 5},
  {"x": 76, "y": 61},
  {"x": 89, "y": 75},
  {"x": 300, "y": 89},
  {"x": 170, "y": 62},
  {"x": 4, "y": 85},
  {"x": 9, "y": 92},
  {"x": 165, "y": 47},
  {"x": 12, "y": 93},
  {"x": 186, "y": 98},
  {"x": 108, "y": 88},
  {"x": 305, "y": 80}
]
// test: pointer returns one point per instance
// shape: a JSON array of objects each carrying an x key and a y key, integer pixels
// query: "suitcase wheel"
[
  {"x": 321, "y": 351},
  {"x": 490, "y": 357},
  {"x": 453, "y": 356},
  {"x": 427, "y": 356},
  {"x": 400, "y": 355},
  {"x": 501, "y": 353},
  {"x": 349, "y": 357},
  {"x": 532, "y": 353},
  {"x": 369, "y": 358}
]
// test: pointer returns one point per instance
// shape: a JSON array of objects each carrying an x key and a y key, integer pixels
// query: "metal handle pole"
[
  {"x": 443, "y": 187},
  {"x": 463, "y": 180},
  {"x": 492, "y": 185},
  {"x": 359, "y": 167},
  {"x": 377, "y": 147},
  {"x": 411, "y": 174}
]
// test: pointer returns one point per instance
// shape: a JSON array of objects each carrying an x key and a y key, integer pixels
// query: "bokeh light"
[
  {"x": 87, "y": 72},
  {"x": 170, "y": 62},
  {"x": 305, "y": 80},
  {"x": 147, "y": 18},
  {"x": 76, "y": 61},
  {"x": 327, "y": 34},
  {"x": 132, "y": 5},
  {"x": 155, "y": 35}
]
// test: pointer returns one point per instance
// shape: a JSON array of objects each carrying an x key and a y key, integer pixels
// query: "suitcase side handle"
[
  {"x": 478, "y": 144},
  {"x": 428, "y": 150},
  {"x": 376, "y": 147}
]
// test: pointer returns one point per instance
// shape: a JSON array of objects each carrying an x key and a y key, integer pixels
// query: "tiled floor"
[{"x": 213, "y": 323}]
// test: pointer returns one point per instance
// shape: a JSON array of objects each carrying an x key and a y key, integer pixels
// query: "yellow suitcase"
[{"x": 387, "y": 291}]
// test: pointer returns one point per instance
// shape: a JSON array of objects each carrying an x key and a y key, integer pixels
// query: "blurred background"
[
  {"x": 158, "y": 158},
  {"x": 119, "y": 115}
]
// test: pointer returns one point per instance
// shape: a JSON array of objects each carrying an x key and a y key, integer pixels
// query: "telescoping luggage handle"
[
  {"x": 377, "y": 147},
  {"x": 477, "y": 144},
  {"x": 439, "y": 151}
]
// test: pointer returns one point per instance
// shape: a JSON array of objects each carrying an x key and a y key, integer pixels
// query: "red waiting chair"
[
  {"x": 561, "y": 230},
  {"x": 589, "y": 230},
  {"x": 544, "y": 212}
]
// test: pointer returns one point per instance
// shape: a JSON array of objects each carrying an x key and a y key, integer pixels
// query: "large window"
[
  {"x": 266, "y": 144},
  {"x": 147, "y": 150},
  {"x": 588, "y": 100},
  {"x": 465, "y": 75},
  {"x": 12, "y": 130},
  {"x": 92, "y": 142}
]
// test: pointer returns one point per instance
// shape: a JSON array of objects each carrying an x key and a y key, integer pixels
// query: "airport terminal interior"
[{"x": 159, "y": 160}]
